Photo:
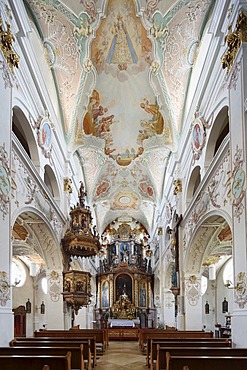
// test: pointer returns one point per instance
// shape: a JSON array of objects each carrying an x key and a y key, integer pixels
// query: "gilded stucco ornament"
[
  {"x": 177, "y": 186},
  {"x": 233, "y": 40},
  {"x": 6, "y": 41},
  {"x": 67, "y": 185}
]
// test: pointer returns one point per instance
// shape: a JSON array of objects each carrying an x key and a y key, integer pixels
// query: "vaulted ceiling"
[{"x": 121, "y": 71}]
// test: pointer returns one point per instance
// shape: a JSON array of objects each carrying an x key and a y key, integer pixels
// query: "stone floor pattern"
[{"x": 122, "y": 356}]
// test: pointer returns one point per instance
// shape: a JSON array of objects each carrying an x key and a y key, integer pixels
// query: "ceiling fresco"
[{"x": 121, "y": 70}]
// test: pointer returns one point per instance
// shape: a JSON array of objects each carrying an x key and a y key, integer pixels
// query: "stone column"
[{"x": 6, "y": 314}]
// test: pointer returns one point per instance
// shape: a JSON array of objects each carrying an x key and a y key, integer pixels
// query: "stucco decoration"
[
  {"x": 9, "y": 79},
  {"x": 5, "y": 181},
  {"x": 241, "y": 289},
  {"x": 55, "y": 286},
  {"x": 65, "y": 36},
  {"x": 6, "y": 45},
  {"x": 28, "y": 192},
  {"x": 219, "y": 188},
  {"x": 235, "y": 76},
  {"x": 238, "y": 184},
  {"x": 177, "y": 45},
  {"x": 4, "y": 288},
  {"x": 193, "y": 290},
  {"x": 201, "y": 207}
]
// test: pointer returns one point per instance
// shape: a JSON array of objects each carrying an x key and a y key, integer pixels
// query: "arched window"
[
  {"x": 228, "y": 272},
  {"x": 18, "y": 273}
]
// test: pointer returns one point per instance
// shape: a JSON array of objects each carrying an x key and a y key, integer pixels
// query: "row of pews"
[
  {"x": 189, "y": 350},
  {"x": 55, "y": 349}
]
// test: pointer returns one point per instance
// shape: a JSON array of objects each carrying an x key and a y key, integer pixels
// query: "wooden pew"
[
  {"x": 181, "y": 342},
  {"x": 202, "y": 362},
  {"x": 161, "y": 333},
  {"x": 25, "y": 362},
  {"x": 77, "y": 360},
  {"x": 46, "y": 367},
  {"x": 86, "y": 343},
  {"x": 83, "y": 340},
  {"x": 99, "y": 334},
  {"x": 198, "y": 351}
]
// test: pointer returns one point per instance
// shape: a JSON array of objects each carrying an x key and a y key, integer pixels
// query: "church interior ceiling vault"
[{"x": 121, "y": 71}]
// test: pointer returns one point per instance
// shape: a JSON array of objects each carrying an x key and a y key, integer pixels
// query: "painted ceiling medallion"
[
  {"x": 125, "y": 200},
  {"x": 5, "y": 184}
]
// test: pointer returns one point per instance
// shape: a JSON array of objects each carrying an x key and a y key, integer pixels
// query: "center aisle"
[{"x": 122, "y": 356}]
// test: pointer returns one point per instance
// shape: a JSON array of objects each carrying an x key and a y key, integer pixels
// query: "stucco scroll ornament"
[
  {"x": 198, "y": 135},
  {"x": 241, "y": 290},
  {"x": 5, "y": 182},
  {"x": 44, "y": 127},
  {"x": 90, "y": 7},
  {"x": 238, "y": 182},
  {"x": 4, "y": 288},
  {"x": 193, "y": 290},
  {"x": 152, "y": 6},
  {"x": 55, "y": 286}
]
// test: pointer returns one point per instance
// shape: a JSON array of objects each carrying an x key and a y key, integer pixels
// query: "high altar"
[{"x": 125, "y": 279}]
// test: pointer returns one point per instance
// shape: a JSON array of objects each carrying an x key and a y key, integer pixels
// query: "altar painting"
[
  {"x": 123, "y": 286},
  {"x": 105, "y": 294}
]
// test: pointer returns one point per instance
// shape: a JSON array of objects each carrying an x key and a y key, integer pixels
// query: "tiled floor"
[{"x": 122, "y": 356}]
